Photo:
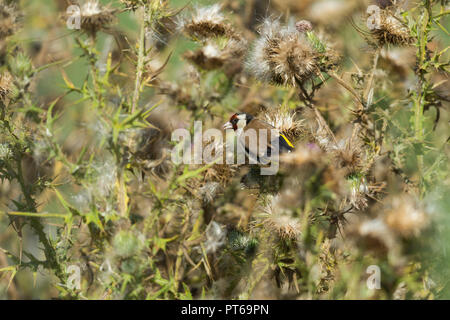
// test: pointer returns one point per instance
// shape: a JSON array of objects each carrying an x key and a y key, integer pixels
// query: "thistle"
[
  {"x": 133, "y": 4},
  {"x": 205, "y": 23},
  {"x": 404, "y": 216},
  {"x": 302, "y": 155},
  {"x": 286, "y": 123},
  {"x": 287, "y": 56},
  {"x": 390, "y": 29},
  {"x": 5, "y": 85},
  {"x": 94, "y": 17},
  {"x": 9, "y": 20},
  {"x": 279, "y": 220},
  {"x": 374, "y": 235},
  {"x": 208, "y": 58},
  {"x": 349, "y": 155},
  {"x": 211, "y": 56},
  {"x": 216, "y": 236}
]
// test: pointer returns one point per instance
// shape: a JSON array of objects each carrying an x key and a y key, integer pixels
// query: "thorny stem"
[
  {"x": 347, "y": 87},
  {"x": 419, "y": 97},
  {"x": 178, "y": 271},
  {"x": 372, "y": 75},
  {"x": 49, "y": 251},
  {"x": 307, "y": 99},
  {"x": 140, "y": 62}
]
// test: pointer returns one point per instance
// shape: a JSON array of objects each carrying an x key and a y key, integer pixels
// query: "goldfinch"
[{"x": 247, "y": 127}]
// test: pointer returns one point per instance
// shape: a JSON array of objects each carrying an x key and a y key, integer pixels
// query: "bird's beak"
[{"x": 227, "y": 126}]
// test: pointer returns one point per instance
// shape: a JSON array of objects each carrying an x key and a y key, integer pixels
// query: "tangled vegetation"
[{"x": 93, "y": 207}]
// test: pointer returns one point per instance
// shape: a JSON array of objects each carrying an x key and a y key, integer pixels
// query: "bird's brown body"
[{"x": 259, "y": 139}]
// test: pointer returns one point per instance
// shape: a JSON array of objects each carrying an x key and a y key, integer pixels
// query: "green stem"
[
  {"x": 49, "y": 251},
  {"x": 140, "y": 63}
]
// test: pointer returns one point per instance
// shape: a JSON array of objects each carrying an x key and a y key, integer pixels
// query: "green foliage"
[{"x": 86, "y": 178}]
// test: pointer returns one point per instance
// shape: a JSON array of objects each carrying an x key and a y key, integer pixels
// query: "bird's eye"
[{"x": 234, "y": 121}]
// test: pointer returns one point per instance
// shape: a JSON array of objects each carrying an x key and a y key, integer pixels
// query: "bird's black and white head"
[{"x": 238, "y": 121}]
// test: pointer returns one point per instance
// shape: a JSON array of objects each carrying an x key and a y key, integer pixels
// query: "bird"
[{"x": 243, "y": 124}]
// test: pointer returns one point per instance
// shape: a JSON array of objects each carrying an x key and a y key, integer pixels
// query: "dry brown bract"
[
  {"x": 286, "y": 122},
  {"x": 391, "y": 30},
  {"x": 211, "y": 56},
  {"x": 9, "y": 20},
  {"x": 133, "y": 4},
  {"x": 349, "y": 155},
  {"x": 94, "y": 17},
  {"x": 5, "y": 85},
  {"x": 280, "y": 221},
  {"x": 207, "y": 22},
  {"x": 282, "y": 56},
  {"x": 285, "y": 56},
  {"x": 405, "y": 217}
]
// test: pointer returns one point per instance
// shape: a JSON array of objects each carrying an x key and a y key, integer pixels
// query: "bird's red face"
[{"x": 237, "y": 121}]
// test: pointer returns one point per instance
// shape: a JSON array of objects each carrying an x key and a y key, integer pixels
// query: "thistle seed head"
[
  {"x": 133, "y": 4},
  {"x": 286, "y": 122},
  {"x": 216, "y": 236},
  {"x": 209, "y": 191},
  {"x": 280, "y": 220},
  {"x": 5, "y": 85},
  {"x": 94, "y": 17},
  {"x": 391, "y": 30},
  {"x": 302, "y": 155},
  {"x": 205, "y": 23},
  {"x": 404, "y": 216},
  {"x": 284, "y": 56},
  {"x": 375, "y": 235},
  {"x": 9, "y": 20},
  {"x": 211, "y": 56},
  {"x": 349, "y": 156}
]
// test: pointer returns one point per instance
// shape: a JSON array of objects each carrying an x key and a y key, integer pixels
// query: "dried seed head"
[
  {"x": 302, "y": 155},
  {"x": 9, "y": 20},
  {"x": 280, "y": 221},
  {"x": 211, "y": 56},
  {"x": 374, "y": 235},
  {"x": 321, "y": 136},
  {"x": 284, "y": 56},
  {"x": 284, "y": 226},
  {"x": 349, "y": 156},
  {"x": 385, "y": 3},
  {"x": 209, "y": 191},
  {"x": 94, "y": 17},
  {"x": 390, "y": 29},
  {"x": 219, "y": 172},
  {"x": 406, "y": 217},
  {"x": 205, "y": 23},
  {"x": 330, "y": 12},
  {"x": 285, "y": 122},
  {"x": 5, "y": 85},
  {"x": 216, "y": 236},
  {"x": 133, "y": 4},
  {"x": 148, "y": 148}
]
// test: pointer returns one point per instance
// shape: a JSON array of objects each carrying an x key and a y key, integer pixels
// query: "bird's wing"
[{"x": 252, "y": 146}]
